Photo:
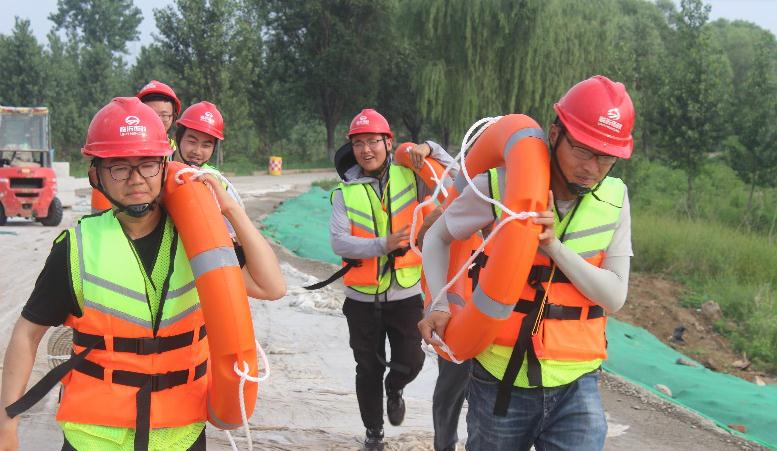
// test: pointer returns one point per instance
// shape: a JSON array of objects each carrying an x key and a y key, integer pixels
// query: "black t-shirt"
[{"x": 52, "y": 299}]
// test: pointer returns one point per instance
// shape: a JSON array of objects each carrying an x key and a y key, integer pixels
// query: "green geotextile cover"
[
  {"x": 638, "y": 356},
  {"x": 302, "y": 225}
]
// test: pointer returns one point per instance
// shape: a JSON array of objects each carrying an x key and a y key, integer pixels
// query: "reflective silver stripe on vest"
[
  {"x": 401, "y": 193},
  {"x": 491, "y": 307},
  {"x": 172, "y": 319},
  {"x": 180, "y": 291},
  {"x": 118, "y": 314},
  {"x": 402, "y": 207},
  {"x": 207, "y": 261},
  {"x": 369, "y": 230},
  {"x": 358, "y": 213},
  {"x": 589, "y": 254},
  {"x": 99, "y": 281},
  {"x": 218, "y": 422},
  {"x": 454, "y": 298},
  {"x": 118, "y": 289},
  {"x": 521, "y": 134},
  {"x": 591, "y": 231}
]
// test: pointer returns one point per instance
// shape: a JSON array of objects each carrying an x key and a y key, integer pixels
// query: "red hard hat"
[
  {"x": 204, "y": 117},
  {"x": 598, "y": 113},
  {"x": 157, "y": 87},
  {"x": 370, "y": 121},
  {"x": 126, "y": 127}
]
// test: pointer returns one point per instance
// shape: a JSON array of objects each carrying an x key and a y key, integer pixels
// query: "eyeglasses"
[
  {"x": 165, "y": 117},
  {"x": 373, "y": 143},
  {"x": 147, "y": 169},
  {"x": 586, "y": 155}
]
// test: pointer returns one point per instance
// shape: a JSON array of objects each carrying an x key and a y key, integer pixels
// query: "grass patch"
[{"x": 738, "y": 270}]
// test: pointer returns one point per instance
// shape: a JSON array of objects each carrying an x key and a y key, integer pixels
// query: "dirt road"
[{"x": 309, "y": 402}]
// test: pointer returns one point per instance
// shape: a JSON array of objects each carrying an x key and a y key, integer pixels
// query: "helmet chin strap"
[
  {"x": 191, "y": 163},
  {"x": 574, "y": 188},
  {"x": 134, "y": 210}
]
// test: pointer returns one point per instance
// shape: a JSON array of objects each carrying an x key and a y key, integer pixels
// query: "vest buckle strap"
[
  {"x": 539, "y": 274},
  {"x": 158, "y": 382},
  {"x": 143, "y": 345},
  {"x": 561, "y": 312}
]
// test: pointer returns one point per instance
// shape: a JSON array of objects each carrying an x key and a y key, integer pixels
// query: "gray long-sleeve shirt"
[
  {"x": 346, "y": 245},
  {"x": 606, "y": 286}
]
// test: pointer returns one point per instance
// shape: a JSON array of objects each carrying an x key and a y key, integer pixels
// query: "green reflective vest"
[{"x": 369, "y": 219}]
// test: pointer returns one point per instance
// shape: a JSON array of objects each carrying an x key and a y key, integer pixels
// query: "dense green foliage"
[{"x": 289, "y": 75}]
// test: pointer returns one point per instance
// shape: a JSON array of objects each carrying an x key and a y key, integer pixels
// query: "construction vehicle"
[{"x": 28, "y": 185}]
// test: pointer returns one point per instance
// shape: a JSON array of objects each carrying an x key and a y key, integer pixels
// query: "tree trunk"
[
  {"x": 446, "y": 137},
  {"x": 330, "y": 123},
  {"x": 413, "y": 125},
  {"x": 689, "y": 202}
]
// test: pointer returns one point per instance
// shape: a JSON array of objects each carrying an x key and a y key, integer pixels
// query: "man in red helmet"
[
  {"x": 121, "y": 280},
  {"x": 371, "y": 214},
  {"x": 162, "y": 99},
  {"x": 585, "y": 248}
]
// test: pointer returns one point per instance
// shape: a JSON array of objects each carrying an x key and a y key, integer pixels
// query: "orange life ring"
[
  {"x": 517, "y": 142},
  {"x": 429, "y": 172},
  {"x": 99, "y": 201},
  {"x": 222, "y": 293}
]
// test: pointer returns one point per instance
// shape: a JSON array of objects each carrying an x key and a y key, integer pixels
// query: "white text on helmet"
[
  {"x": 208, "y": 117},
  {"x": 610, "y": 124}
]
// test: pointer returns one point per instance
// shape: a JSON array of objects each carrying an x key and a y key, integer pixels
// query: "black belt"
[
  {"x": 158, "y": 382},
  {"x": 141, "y": 346},
  {"x": 146, "y": 384},
  {"x": 556, "y": 311}
]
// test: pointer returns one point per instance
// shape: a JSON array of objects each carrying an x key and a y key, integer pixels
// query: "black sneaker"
[
  {"x": 374, "y": 440},
  {"x": 395, "y": 407}
]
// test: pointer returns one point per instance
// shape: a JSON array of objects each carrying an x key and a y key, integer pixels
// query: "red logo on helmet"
[{"x": 132, "y": 120}]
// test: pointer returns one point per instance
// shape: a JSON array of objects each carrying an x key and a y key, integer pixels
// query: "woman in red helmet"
[
  {"x": 538, "y": 386},
  {"x": 162, "y": 99},
  {"x": 121, "y": 280},
  {"x": 199, "y": 133}
]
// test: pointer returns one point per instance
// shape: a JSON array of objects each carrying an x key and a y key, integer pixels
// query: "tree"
[
  {"x": 97, "y": 33},
  {"x": 214, "y": 49},
  {"x": 111, "y": 23},
  {"x": 23, "y": 67},
  {"x": 755, "y": 160},
  {"x": 695, "y": 96},
  {"x": 329, "y": 54}
]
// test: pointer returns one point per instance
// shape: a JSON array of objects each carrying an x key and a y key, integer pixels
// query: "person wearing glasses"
[
  {"x": 538, "y": 384},
  {"x": 121, "y": 280},
  {"x": 162, "y": 99},
  {"x": 369, "y": 228}
]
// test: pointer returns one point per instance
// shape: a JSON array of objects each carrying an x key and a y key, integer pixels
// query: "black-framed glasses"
[
  {"x": 147, "y": 169},
  {"x": 586, "y": 155},
  {"x": 373, "y": 143},
  {"x": 165, "y": 117}
]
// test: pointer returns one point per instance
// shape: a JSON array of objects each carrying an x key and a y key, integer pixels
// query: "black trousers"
[
  {"x": 399, "y": 320},
  {"x": 198, "y": 445}
]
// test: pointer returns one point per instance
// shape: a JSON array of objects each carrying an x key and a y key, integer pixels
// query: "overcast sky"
[{"x": 761, "y": 12}]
